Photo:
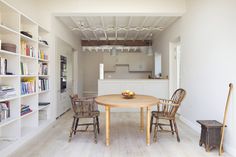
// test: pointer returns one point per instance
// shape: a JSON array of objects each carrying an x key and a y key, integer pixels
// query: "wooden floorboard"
[{"x": 126, "y": 141}]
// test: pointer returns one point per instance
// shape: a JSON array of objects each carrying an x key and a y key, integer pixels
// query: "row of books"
[
  {"x": 24, "y": 68},
  {"x": 27, "y": 49},
  {"x": 3, "y": 66},
  {"x": 28, "y": 86},
  {"x": 43, "y": 84},
  {"x": 42, "y": 55},
  {"x": 7, "y": 91},
  {"x": 25, "y": 109},
  {"x": 43, "y": 68},
  {"x": 4, "y": 110}
]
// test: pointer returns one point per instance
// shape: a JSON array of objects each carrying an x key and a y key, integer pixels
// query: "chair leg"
[
  {"x": 97, "y": 119},
  {"x": 171, "y": 127},
  {"x": 76, "y": 125},
  {"x": 155, "y": 131},
  {"x": 72, "y": 129},
  {"x": 151, "y": 123},
  {"x": 95, "y": 130},
  {"x": 176, "y": 130}
]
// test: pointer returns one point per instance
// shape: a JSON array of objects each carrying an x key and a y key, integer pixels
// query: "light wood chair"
[
  {"x": 84, "y": 108},
  {"x": 166, "y": 110}
]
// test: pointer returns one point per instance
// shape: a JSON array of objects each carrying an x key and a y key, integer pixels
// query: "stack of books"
[
  {"x": 43, "y": 68},
  {"x": 42, "y": 55},
  {"x": 25, "y": 109},
  {"x": 4, "y": 110},
  {"x": 3, "y": 66},
  {"x": 43, "y": 84},
  {"x": 28, "y": 86},
  {"x": 7, "y": 92},
  {"x": 27, "y": 50},
  {"x": 24, "y": 68}
]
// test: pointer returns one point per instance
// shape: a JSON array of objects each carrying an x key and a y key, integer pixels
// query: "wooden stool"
[{"x": 210, "y": 134}]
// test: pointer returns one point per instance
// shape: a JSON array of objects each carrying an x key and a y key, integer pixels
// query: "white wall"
[{"x": 208, "y": 36}]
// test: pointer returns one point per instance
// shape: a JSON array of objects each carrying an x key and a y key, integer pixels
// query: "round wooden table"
[{"x": 117, "y": 100}]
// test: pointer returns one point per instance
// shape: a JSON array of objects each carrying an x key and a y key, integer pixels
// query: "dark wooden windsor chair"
[
  {"x": 84, "y": 107},
  {"x": 166, "y": 110}
]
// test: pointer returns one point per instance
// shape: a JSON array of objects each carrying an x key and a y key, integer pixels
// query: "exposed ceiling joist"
[
  {"x": 84, "y": 34},
  {"x": 143, "y": 23},
  {"x": 153, "y": 25},
  {"x": 129, "y": 22},
  {"x": 103, "y": 25},
  {"x": 116, "y": 42},
  {"x": 116, "y": 33},
  {"x": 89, "y": 23},
  {"x": 117, "y": 27}
]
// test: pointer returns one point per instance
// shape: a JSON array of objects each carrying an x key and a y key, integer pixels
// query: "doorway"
[{"x": 174, "y": 65}]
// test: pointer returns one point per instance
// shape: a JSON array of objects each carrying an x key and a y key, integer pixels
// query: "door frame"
[{"x": 174, "y": 51}]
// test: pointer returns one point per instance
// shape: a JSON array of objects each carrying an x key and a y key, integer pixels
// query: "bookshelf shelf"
[
  {"x": 28, "y": 57},
  {"x": 44, "y": 91},
  {"x": 28, "y": 38},
  {"x": 24, "y": 64},
  {"x": 43, "y": 107},
  {"x": 8, "y": 121},
  {"x": 43, "y": 60},
  {"x": 28, "y": 76},
  {"x": 43, "y": 75},
  {"x": 9, "y": 76},
  {"x": 28, "y": 114},
  {"x": 26, "y": 95},
  {"x": 9, "y": 99},
  {"x": 41, "y": 45},
  {"x": 6, "y": 30},
  {"x": 8, "y": 53}
]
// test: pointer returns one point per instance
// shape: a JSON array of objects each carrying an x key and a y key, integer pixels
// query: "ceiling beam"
[
  {"x": 85, "y": 35},
  {"x": 116, "y": 42},
  {"x": 103, "y": 25},
  {"x": 88, "y": 21},
  {"x": 129, "y": 22},
  {"x": 142, "y": 24}
]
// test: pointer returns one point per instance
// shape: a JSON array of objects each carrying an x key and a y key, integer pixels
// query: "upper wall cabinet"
[{"x": 138, "y": 62}]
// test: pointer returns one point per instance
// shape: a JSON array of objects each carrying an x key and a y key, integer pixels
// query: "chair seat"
[
  {"x": 87, "y": 114},
  {"x": 161, "y": 115}
]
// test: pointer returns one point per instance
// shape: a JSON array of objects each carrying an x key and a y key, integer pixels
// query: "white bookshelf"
[{"x": 17, "y": 128}]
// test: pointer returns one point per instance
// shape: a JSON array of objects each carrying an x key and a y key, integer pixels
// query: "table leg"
[
  {"x": 148, "y": 126},
  {"x": 141, "y": 120},
  {"x": 107, "y": 108}
]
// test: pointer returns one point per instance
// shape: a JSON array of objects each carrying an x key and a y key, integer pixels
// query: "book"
[
  {"x": 27, "y": 50},
  {"x": 43, "y": 84},
  {"x": 3, "y": 66},
  {"x": 4, "y": 110},
  {"x": 28, "y": 86}
]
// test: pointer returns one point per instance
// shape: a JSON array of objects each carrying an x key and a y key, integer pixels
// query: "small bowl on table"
[{"x": 128, "y": 94}]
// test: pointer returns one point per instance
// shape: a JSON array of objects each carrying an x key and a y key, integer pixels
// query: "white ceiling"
[{"x": 117, "y": 27}]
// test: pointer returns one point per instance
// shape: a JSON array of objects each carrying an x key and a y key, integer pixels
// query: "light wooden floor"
[{"x": 126, "y": 141}]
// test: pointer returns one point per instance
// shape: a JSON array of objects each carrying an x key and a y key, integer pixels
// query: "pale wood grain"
[{"x": 117, "y": 100}]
